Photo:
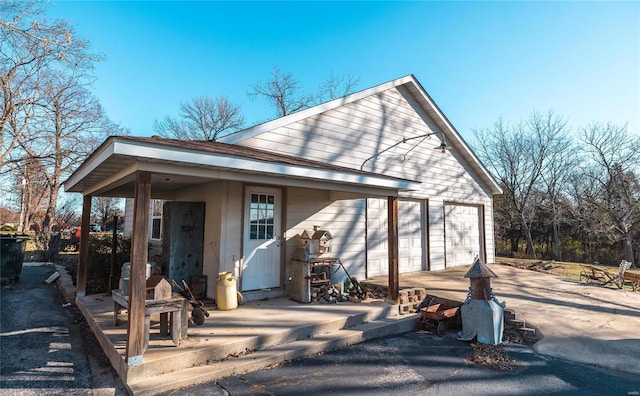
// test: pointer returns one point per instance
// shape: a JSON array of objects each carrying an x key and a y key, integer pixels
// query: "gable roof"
[{"x": 412, "y": 86}]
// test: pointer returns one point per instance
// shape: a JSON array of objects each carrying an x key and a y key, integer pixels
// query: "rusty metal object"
[
  {"x": 480, "y": 280},
  {"x": 438, "y": 316}
]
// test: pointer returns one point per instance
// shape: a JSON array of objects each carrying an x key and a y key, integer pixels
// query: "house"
[
  {"x": 382, "y": 170},
  {"x": 394, "y": 129}
]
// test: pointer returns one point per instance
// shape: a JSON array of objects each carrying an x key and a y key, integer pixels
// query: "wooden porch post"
[
  {"x": 83, "y": 257},
  {"x": 137, "y": 280},
  {"x": 394, "y": 278}
]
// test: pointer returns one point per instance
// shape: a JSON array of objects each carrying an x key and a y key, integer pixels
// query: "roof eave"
[
  {"x": 101, "y": 154},
  {"x": 146, "y": 152}
]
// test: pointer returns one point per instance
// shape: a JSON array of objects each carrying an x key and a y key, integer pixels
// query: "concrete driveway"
[{"x": 575, "y": 321}]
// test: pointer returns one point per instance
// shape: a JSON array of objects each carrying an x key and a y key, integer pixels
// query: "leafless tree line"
[
  {"x": 566, "y": 191},
  {"x": 49, "y": 119}
]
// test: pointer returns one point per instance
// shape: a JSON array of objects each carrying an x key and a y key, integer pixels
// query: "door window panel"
[{"x": 261, "y": 214}]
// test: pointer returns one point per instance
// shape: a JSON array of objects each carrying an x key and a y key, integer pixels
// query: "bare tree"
[
  {"x": 283, "y": 92},
  {"x": 202, "y": 118},
  {"x": 68, "y": 214},
  {"x": 613, "y": 187},
  {"x": 50, "y": 121},
  {"x": 586, "y": 224},
  {"x": 33, "y": 188},
  {"x": 559, "y": 164},
  {"x": 31, "y": 47},
  {"x": 71, "y": 128},
  {"x": 516, "y": 154},
  {"x": 336, "y": 87},
  {"x": 287, "y": 96}
]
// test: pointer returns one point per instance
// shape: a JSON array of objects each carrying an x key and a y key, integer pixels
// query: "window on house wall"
[{"x": 156, "y": 218}]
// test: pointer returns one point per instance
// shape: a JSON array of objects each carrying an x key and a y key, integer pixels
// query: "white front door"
[{"x": 261, "y": 248}]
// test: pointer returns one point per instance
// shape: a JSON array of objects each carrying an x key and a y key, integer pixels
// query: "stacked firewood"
[
  {"x": 328, "y": 294},
  {"x": 333, "y": 293},
  {"x": 376, "y": 291}
]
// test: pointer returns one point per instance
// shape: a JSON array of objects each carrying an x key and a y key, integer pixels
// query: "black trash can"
[{"x": 12, "y": 248}]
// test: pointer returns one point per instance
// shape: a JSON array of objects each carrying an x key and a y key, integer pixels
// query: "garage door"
[
  {"x": 411, "y": 223},
  {"x": 463, "y": 235}
]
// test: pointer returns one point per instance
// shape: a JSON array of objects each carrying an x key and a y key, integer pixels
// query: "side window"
[{"x": 156, "y": 218}]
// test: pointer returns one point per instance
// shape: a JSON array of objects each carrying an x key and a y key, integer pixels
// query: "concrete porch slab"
[{"x": 282, "y": 328}]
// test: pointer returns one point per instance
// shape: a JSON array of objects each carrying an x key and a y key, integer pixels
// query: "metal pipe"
[{"x": 404, "y": 140}]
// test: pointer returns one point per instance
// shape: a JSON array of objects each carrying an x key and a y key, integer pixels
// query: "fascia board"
[
  {"x": 260, "y": 178},
  {"x": 255, "y": 166}
]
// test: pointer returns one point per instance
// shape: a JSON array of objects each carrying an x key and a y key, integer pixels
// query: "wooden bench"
[
  {"x": 634, "y": 279},
  {"x": 176, "y": 307}
]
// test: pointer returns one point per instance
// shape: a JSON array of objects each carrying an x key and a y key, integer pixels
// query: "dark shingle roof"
[{"x": 206, "y": 146}]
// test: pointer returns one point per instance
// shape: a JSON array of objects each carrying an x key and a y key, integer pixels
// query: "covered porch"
[{"x": 150, "y": 168}]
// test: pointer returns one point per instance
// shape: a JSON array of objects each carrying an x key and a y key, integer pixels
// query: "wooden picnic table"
[{"x": 173, "y": 309}]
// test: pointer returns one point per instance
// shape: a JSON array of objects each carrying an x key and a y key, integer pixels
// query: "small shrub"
[{"x": 99, "y": 270}]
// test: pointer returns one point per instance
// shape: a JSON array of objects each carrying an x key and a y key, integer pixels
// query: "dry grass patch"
[{"x": 568, "y": 270}]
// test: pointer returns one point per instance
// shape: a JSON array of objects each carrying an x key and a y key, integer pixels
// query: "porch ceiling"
[{"x": 176, "y": 164}]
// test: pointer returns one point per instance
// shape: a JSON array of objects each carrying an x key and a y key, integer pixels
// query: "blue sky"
[{"x": 478, "y": 60}]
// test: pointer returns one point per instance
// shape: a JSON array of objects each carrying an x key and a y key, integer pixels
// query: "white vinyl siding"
[
  {"x": 348, "y": 135},
  {"x": 436, "y": 235},
  {"x": 344, "y": 219},
  {"x": 489, "y": 247},
  {"x": 231, "y": 208}
]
